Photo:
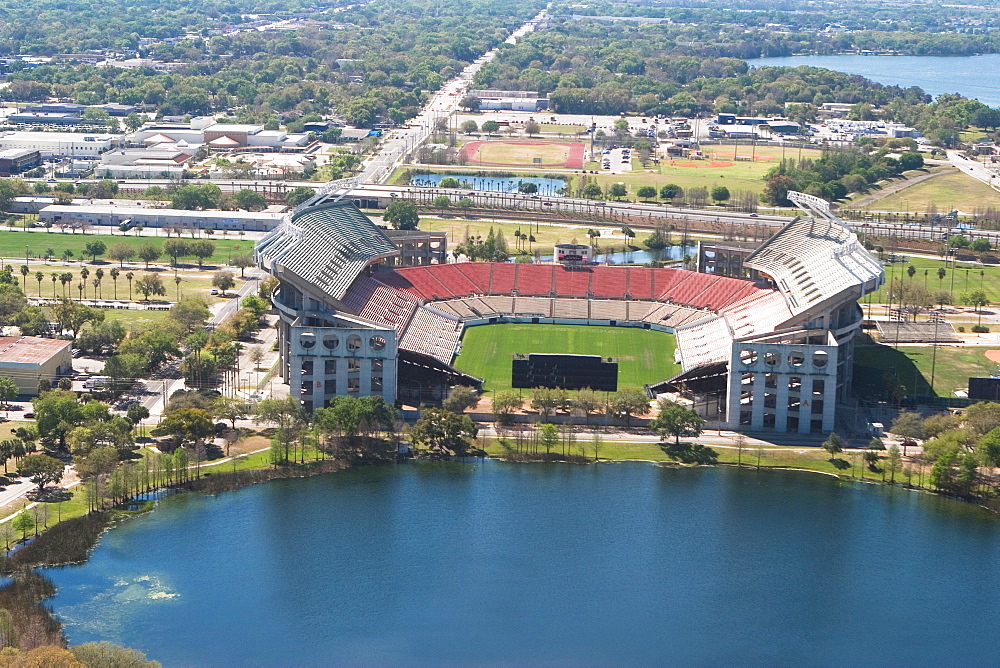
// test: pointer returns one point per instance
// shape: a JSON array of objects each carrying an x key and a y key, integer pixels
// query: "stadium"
[{"x": 771, "y": 354}]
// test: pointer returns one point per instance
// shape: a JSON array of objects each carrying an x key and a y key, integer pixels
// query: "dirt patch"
[
  {"x": 518, "y": 154},
  {"x": 993, "y": 356},
  {"x": 249, "y": 444}
]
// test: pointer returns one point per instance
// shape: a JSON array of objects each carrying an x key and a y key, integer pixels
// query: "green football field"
[{"x": 644, "y": 356}]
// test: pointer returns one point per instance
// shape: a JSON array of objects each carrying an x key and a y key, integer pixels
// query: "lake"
[
  {"x": 935, "y": 74},
  {"x": 490, "y": 563}
]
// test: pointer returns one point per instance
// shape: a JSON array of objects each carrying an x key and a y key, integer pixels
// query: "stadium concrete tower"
[{"x": 772, "y": 354}]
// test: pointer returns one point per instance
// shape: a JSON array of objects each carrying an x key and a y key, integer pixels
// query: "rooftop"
[
  {"x": 15, "y": 350},
  {"x": 327, "y": 245},
  {"x": 147, "y": 211}
]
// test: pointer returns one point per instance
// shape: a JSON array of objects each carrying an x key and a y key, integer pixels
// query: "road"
[{"x": 444, "y": 103}]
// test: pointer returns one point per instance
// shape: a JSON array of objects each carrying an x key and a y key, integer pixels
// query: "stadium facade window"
[
  {"x": 820, "y": 359},
  {"x": 330, "y": 386},
  {"x": 819, "y": 386},
  {"x": 331, "y": 341},
  {"x": 748, "y": 357},
  {"x": 330, "y": 367},
  {"x": 353, "y": 385},
  {"x": 796, "y": 358},
  {"x": 377, "y": 366},
  {"x": 307, "y": 367},
  {"x": 307, "y": 340},
  {"x": 772, "y": 358},
  {"x": 377, "y": 382},
  {"x": 353, "y": 365},
  {"x": 354, "y": 342},
  {"x": 376, "y": 343}
]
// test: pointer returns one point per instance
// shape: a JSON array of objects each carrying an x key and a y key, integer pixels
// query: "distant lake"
[
  {"x": 487, "y": 563},
  {"x": 971, "y": 76}
]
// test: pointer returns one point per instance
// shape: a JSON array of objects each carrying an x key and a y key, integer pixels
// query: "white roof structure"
[{"x": 815, "y": 258}]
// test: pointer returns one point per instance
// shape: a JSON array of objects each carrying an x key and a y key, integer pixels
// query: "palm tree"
[
  {"x": 129, "y": 276},
  {"x": 24, "y": 277},
  {"x": 100, "y": 276},
  {"x": 84, "y": 274},
  {"x": 115, "y": 272},
  {"x": 80, "y": 286},
  {"x": 97, "y": 287},
  {"x": 49, "y": 254},
  {"x": 39, "y": 276},
  {"x": 65, "y": 278},
  {"x": 55, "y": 277},
  {"x": 177, "y": 282}
]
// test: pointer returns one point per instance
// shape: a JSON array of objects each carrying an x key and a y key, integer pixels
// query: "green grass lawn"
[
  {"x": 14, "y": 242},
  {"x": 912, "y": 366},
  {"x": 966, "y": 278},
  {"x": 742, "y": 175},
  {"x": 644, "y": 356},
  {"x": 953, "y": 190}
]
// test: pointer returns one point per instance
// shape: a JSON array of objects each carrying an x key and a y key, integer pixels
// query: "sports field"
[
  {"x": 644, "y": 356},
  {"x": 525, "y": 153},
  {"x": 952, "y": 190}
]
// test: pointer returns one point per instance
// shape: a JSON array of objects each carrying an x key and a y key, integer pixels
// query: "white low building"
[
  {"x": 61, "y": 144},
  {"x": 103, "y": 214}
]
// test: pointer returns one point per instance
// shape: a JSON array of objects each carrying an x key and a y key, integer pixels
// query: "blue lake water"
[
  {"x": 546, "y": 186},
  {"x": 971, "y": 76},
  {"x": 489, "y": 563}
]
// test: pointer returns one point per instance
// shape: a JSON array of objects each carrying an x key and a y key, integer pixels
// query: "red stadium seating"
[
  {"x": 534, "y": 280},
  {"x": 609, "y": 282},
  {"x": 665, "y": 279},
  {"x": 688, "y": 291},
  {"x": 502, "y": 280},
  {"x": 390, "y": 278},
  {"x": 455, "y": 280},
  {"x": 425, "y": 281},
  {"x": 478, "y": 274},
  {"x": 640, "y": 282},
  {"x": 572, "y": 282}
]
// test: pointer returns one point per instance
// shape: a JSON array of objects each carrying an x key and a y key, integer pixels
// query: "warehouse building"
[
  {"x": 60, "y": 144},
  {"x": 250, "y": 221},
  {"x": 29, "y": 359}
]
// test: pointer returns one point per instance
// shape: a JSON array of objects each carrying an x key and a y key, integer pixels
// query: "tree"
[
  {"x": 671, "y": 191},
  {"x": 121, "y": 253},
  {"x": 531, "y": 128},
  {"x": 460, "y": 399},
  {"x": 527, "y": 188},
  {"x": 224, "y": 280},
  {"x": 469, "y": 126},
  {"x": 443, "y": 431},
  {"x": 910, "y": 160},
  {"x": 618, "y": 190},
  {"x": 720, "y": 194},
  {"x": 983, "y": 417},
  {"x": 23, "y": 523},
  {"x": 249, "y": 200},
  {"x": 908, "y": 426},
  {"x": 676, "y": 420},
  {"x": 586, "y": 400},
  {"x": 176, "y": 248},
  {"x": 256, "y": 356},
  {"x": 8, "y": 389},
  {"x": 546, "y": 401},
  {"x": 105, "y": 655},
  {"x": 230, "y": 408},
  {"x": 628, "y": 402},
  {"x": 289, "y": 417},
  {"x": 402, "y": 214},
  {"x": 191, "y": 313},
  {"x": 41, "y": 469},
  {"x": 243, "y": 262},
  {"x": 833, "y": 444},
  {"x": 300, "y": 195},
  {"x": 442, "y": 201},
  {"x": 505, "y": 403},
  {"x": 202, "y": 250},
  {"x": 186, "y": 426},
  {"x": 95, "y": 248},
  {"x": 472, "y": 103},
  {"x": 646, "y": 193},
  {"x": 150, "y": 253},
  {"x": 150, "y": 284}
]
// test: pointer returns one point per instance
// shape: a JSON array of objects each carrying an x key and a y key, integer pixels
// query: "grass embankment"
[
  {"x": 644, "y": 356},
  {"x": 912, "y": 365},
  {"x": 953, "y": 190}
]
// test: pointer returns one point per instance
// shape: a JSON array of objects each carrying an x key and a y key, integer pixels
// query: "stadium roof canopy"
[
  {"x": 815, "y": 258},
  {"x": 326, "y": 245}
]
